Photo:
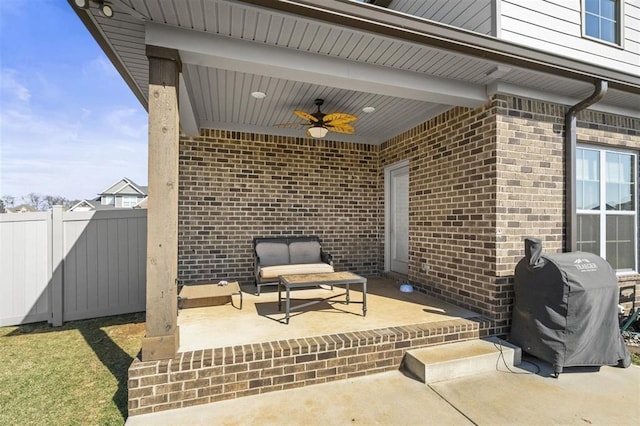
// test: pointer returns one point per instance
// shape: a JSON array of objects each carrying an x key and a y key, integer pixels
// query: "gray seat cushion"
[
  {"x": 304, "y": 252},
  {"x": 273, "y": 253}
]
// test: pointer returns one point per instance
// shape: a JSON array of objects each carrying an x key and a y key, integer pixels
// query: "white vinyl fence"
[{"x": 60, "y": 266}]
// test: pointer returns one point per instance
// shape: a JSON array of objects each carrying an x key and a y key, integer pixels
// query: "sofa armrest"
[{"x": 326, "y": 257}]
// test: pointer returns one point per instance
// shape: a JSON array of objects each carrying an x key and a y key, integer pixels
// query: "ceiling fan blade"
[
  {"x": 338, "y": 122},
  {"x": 343, "y": 128},
  {"x": 305, "y": 116},
  {"x": 339, "y": 117}
]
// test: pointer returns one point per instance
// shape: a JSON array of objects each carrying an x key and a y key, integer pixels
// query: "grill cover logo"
[{"x": 585, "y": 265}]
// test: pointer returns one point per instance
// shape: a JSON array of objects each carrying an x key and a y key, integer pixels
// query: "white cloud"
[
  {"x": 69, "y": 125},
  {"x": 127, "y": 121},
  {"x": 100, "y": 67},
  {"x": 55, "y": 152},
  {"x": 11, "y": 88}
]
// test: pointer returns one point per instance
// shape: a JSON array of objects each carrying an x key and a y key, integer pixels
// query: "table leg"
[
  {"x": 347, "y": 293},
  {"x": 288, "y": 305},
  {"x": 279, "y": 293},
  {"x": 364, "y": 298}
]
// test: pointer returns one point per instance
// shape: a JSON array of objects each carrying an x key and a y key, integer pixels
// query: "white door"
[{"x": 397, "y": 199}]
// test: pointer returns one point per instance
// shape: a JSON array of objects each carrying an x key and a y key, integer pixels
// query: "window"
[
  {"x": 108, "y": 200},
  {"x": 607, "y": 203},
  {"x": 129, "y": 201},
  {"x": 602, "y": 20}
]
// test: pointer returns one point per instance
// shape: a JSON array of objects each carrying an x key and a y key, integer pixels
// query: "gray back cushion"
[
  {"x": 273, "y": 253},
  {"x": 304, "y": 252}
]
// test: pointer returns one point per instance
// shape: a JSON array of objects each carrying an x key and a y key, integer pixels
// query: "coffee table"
[{"x": 292, "y": 282}]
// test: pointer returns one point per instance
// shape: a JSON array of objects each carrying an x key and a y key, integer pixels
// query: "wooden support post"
[{"x": 162, "y": 337}]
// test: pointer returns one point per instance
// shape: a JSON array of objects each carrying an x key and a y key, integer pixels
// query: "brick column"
[{"x": 162, "y": 334}]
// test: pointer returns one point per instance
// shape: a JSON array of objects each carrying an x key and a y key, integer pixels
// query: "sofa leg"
[{"x": 257, "y": 288}]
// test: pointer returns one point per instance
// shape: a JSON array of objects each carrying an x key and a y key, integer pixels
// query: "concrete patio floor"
[
  {"x": 260, "y": 321},
  {"x": 526, "y": 395}
]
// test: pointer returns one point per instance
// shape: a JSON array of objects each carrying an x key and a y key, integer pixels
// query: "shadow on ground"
[{"x": 110, "y": 354}]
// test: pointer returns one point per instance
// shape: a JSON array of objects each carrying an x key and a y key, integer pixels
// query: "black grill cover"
[{"x": 566, "y": 309}]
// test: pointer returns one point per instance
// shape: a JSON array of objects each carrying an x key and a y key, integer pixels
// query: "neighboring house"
[
  {"x": 479, "y": 123},
  {"x": 22, "y": 208},
  {"x": 123, "y": 194}
]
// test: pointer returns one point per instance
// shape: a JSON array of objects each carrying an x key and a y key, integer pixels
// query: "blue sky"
[{"x": 69, "y": 125}]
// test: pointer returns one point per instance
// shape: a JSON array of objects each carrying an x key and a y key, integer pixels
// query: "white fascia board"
[
  {"x": 79, "y": 203},
  {"x": 111, "y": 186},
  {"x": 215, "y": 51},
  {"x": 512, "y": 89},
  {"x": 188, "y": 121},
  {"x": 128, "y": 184}
]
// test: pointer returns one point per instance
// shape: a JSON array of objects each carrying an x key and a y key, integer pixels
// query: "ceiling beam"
[
  {"x": 188, "y": 121},
  {"x": 199, "y": 48}
]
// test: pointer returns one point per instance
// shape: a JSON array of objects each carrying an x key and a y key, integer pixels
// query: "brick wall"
[
  {"x": 530, "y": 191},
  {"x": 452, "y": 207},
  {"x": 237, "y": 186},
  {"x": 480, "y": 181},
  {"x": 210, "y": 375}
]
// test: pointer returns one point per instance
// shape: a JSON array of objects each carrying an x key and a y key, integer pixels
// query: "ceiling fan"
[{"x": 320, "y": 123}]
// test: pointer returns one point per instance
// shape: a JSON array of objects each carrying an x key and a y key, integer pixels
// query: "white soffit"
[{"x": 214, "y": 51}]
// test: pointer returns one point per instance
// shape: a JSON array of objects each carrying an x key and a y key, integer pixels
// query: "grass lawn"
[
  {"x": 71, "y": 375},
  {"x": 74, "y": 374}
]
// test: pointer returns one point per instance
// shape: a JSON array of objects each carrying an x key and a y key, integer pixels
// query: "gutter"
[{"x": 570, "y": 142}]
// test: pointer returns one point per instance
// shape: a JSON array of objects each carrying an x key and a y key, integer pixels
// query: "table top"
[
  {"x": 323, "y": 278},
  {"x": 196, "y": 291}
]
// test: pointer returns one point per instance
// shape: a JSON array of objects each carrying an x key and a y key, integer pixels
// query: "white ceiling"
[{"x": 230, "y": 49}]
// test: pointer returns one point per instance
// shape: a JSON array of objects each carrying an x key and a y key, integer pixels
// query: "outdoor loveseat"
[{"x": 288, "y": 255}]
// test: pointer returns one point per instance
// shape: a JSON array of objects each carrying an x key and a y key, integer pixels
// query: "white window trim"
[
  {"x": 129, "y": 200},
  {"x": 602, "y": 211},
  {"x": 583, "y": 27}
]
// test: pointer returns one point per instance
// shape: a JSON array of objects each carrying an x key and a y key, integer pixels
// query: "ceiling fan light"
[{"x": 318, "y": 131}]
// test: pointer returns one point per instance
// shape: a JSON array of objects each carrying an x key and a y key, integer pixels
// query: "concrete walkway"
[{"x": 526, "y": 395}]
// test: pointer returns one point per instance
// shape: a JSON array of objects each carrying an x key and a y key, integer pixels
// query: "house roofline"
[
  {"x": 419, "y": 30},
  {"x": 127, "y": 182},
  {"x": 82, "y": 202},
  {"x": 395, "y": 24}
]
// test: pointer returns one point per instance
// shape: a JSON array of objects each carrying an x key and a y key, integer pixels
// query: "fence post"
[{"x": 57, "y": 262}]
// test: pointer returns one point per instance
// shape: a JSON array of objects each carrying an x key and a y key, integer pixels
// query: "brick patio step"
[{"x": 460, "y": 359}]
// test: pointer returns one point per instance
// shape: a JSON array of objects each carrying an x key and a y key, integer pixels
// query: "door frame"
[{"x": 387, "y": 209}]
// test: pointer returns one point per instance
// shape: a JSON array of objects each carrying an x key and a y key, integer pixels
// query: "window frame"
[
  {"x": 619, "y": 30},
  {"x": 602, "y": 211},
  {"x": 108, "y": 200},
  {"x": 129, "y": 200}
]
